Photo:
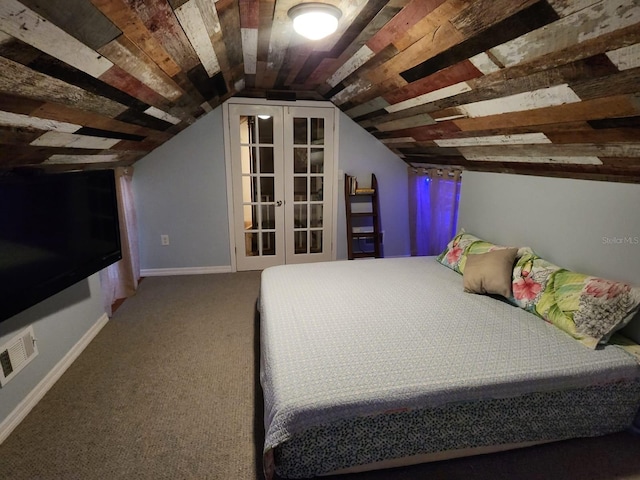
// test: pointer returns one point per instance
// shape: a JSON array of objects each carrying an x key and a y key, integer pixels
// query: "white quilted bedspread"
[{"x": 340, "y": 339}]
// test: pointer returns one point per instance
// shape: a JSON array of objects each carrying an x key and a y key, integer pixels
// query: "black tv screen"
[{"x": 55, "y": 230}]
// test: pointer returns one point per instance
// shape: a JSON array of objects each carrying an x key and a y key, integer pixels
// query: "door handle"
[{"x": 279, "y": 203}]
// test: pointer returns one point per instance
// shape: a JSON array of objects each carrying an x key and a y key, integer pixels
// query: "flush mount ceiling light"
[{"x": 315, "y": 20}]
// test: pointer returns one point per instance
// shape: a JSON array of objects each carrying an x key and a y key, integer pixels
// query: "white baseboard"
[
  {"x": 26, "y": 405},
  {"x": 164, "y": 272}
]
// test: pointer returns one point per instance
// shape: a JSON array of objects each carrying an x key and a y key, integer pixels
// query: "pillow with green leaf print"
[
  {"x": 588, "y": 308},
  {"x": 455, "y": 254}
]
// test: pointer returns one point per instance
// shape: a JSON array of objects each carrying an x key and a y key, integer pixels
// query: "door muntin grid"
[
  {"x": 257, "y": 153},
  {"x": 308, "y": 184}
]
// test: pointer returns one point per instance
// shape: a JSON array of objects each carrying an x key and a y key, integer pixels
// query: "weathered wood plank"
[
  {"x": 405, "y": 123},
  {"x": 600, "y": 19},
  {"x": 613, "y": 135},
  {"x": 250, "y": 49},
  {"x": 71, "y": 140},
  {"x": 17, "y": 104},
  {"x": 64, "y": 113},
  {"x": 457, "y": 73},
  {"x": 484, "y": 63},
  {"x": 545, "y": 97},
  {"x": 354, "y": 89},
  {"x": 122, "y": 80},
  {"x": 361, "y": 57},
  {"x": 162, "y": 115},
  {"x": 626, "y": 58},
  {"x": 10, "y": 135},
  {"x": 22, "y": 81},
  {"x": 404, "y": 20},
  {"x": 18, "y": 120},
  {"x": 124, "y": 53},
  {"x": 41, "y": 62},
  {"x": 430, "y": 97},
  {"x": 374, "y": 105},
  {"x": 78, "y": 18},
  {"x": 266, "y": 12},
  {"x": 229, "y": 17},
  {"x": 429, "y": 132},
  {"x": 525, "y": 138},
  {"x": 524, "y": 21},
  {"x": 26, "y": 25},
  {"x": 193, "y": 23},
  {"x": 627, "y": 81},
  {"x": 428, "y": 37},
  {"x": 84, "y": 159},
  {"x": 625, "y": 150},
  {"x": 617, "y": 106},
  {"x": 135, "y": 30},
  {"x": 483, "y": 14},
  {"x": 159, "y": 19}
]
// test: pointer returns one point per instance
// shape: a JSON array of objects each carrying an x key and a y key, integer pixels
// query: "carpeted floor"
[{"x": 168, "y": 390}]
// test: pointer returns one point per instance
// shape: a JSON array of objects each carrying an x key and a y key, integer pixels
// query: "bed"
[{"x": 378, "y": 363}]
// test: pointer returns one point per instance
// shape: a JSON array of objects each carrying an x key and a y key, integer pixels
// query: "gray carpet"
[{"x": 167, "y": 390}]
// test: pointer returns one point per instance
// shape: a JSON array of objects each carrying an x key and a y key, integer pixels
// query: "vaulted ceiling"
[{"x": 545, "y": 87}]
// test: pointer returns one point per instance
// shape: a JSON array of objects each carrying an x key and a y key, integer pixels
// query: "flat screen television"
[{"x": 55, "y": 230}]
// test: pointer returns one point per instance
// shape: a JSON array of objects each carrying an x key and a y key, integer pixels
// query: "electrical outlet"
[{"x": 164, "y": 239}]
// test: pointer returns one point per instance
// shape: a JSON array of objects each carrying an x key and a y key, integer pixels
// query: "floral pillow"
[
  {"x": 588, "y": 308},
  {"x": 455, "y": 254}
]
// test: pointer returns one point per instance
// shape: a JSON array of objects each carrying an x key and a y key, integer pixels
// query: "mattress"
[{"x": 391, "y": 342}]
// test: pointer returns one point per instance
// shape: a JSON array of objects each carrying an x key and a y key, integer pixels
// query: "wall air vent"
[{"x": 16, "y": 354}]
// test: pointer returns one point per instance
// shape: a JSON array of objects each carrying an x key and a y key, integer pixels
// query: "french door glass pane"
[
  {"x": 250, "y": 217},
  {"x": 269, "y": 243},
  {"x": 267, "y": 189},
  {"x": 316, "y": 188},
  {"x": 317, "y": 160},
  {"x": 300, "y": 241},
  {"x": 258, "y": 184},
  {"x": 300, "y": 131},
  {"x": 300, "y": 215},
  {"x": 317, "y": 131},
  {"x": 251, "y": 244},
  {"x": 266, "y": 160},
  {"x": 316, "y": 241},
  {"x": 308, "y": 183},
  {"x": 249, "y": 159},
  {"x": 300, "y": 161},
  {"x": 265, "y": 130},
  {"x": 300, "y": 189},
  {"x": 316, "y": 215}
]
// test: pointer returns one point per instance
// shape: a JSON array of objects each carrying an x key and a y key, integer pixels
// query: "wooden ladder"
[{"x": 364, "y": 236}]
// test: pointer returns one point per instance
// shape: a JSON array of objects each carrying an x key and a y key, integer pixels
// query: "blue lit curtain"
[{"x": 434, "y": 195}]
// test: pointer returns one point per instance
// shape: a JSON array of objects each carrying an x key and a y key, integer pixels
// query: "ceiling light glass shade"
[{"x": 315, "y": 20}]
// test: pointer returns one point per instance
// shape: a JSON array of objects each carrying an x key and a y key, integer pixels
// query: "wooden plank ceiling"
[{"x": 545, "y": 87}]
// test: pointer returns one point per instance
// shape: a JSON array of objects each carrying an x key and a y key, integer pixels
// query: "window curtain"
[
  {"x": 434, "y": 195},
  {"x": 120, "y": 280}
]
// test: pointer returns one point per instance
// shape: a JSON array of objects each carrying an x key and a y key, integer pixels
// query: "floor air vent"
[{"x": 16, "y": 354}]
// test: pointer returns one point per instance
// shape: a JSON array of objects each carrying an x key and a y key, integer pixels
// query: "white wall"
[
  {"x": 180, "y": 190},
  {"x": 586, "y": 226},
  {"x": 59, "y": 322},
  {"x": 360, "y": 155}
]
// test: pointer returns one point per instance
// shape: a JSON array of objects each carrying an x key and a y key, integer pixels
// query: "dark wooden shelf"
[{"x": 369, "y": 219}]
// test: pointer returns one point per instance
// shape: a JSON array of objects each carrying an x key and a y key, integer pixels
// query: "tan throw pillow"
[{"x": 490, "y": 272}]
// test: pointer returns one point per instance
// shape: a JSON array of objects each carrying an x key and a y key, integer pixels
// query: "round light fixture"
[
  {"x": 315, "y": 20},
  {"x": 264, "y": 117}
]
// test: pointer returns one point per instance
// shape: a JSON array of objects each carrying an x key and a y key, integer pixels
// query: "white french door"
[{"x": 282, "y": 181}]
